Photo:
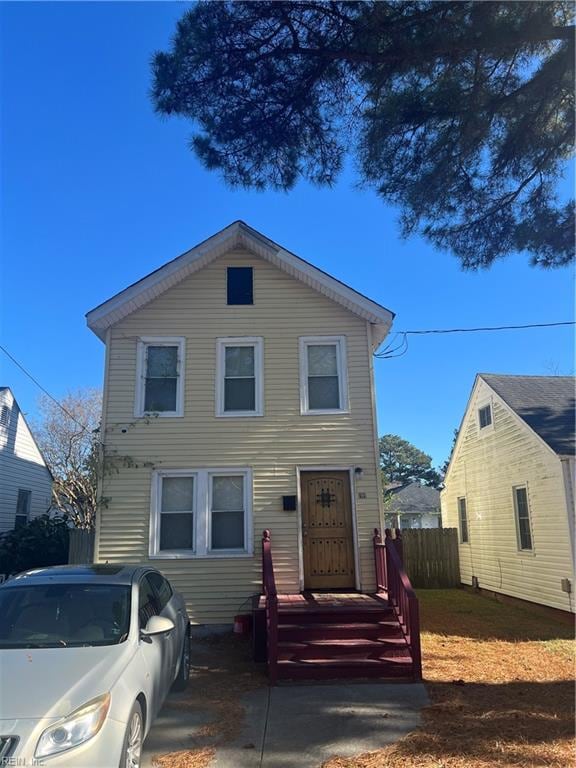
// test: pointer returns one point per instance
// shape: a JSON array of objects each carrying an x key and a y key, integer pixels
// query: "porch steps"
[{"x": 323, "y": 642}]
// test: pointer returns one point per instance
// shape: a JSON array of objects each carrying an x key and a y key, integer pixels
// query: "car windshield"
[{"x": 63, "y": 615}]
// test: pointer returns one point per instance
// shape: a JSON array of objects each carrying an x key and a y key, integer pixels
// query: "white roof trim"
[{"x": 236, "y": 235}]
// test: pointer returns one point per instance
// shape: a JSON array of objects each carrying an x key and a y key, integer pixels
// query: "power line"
[
  {"x": 491, "y": 328},
  {"x": 29, "y": 375},
  {"x": 390, "y": 351}
]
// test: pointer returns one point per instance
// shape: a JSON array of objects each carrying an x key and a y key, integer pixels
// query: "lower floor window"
[
  {"x": 23, "y": 505},
  {"x": 201, "y": 512}
]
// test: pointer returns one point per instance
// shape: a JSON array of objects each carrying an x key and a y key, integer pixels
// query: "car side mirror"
[{"x": 157, "y": 625}]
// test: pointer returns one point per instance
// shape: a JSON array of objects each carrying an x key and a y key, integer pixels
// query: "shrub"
[{"x": 42, "y": 541}]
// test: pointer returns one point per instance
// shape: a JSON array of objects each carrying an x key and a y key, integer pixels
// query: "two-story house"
[
  {"x": 509, "y": 488},
  {"x": 25, "y": 480},
  {"x": 239, "y": 396}
]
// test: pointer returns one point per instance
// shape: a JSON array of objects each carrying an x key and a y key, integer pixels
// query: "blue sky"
[{"x": 97, "y": 191}]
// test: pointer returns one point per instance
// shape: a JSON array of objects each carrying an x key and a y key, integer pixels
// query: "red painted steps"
[{"x": 323, "y": 642}]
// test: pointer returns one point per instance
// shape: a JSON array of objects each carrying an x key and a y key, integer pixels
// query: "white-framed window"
[
  {"x": 522, "y": 515},
  {"x": 239, "y": 376},
  {"x": 463, "y": 520},
  {"x": 228, "y": 503},
  {"x": 160, "y": 376},
  {"x": 201, "y": 513},
  {"x": 485, "y": 419},
  {"x": 23, "y": 505},
  {"x": 323, "y": 375}
]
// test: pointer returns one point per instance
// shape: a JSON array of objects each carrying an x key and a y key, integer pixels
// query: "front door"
[{"x": 327, "y": 534}]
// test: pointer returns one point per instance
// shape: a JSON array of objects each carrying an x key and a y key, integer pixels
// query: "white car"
[{"x": 87, "y": 657}]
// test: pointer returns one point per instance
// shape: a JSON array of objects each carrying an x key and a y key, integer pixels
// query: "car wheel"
[
  {"x": 132, "y": 747},
  {"x": 181, "y": 680}
]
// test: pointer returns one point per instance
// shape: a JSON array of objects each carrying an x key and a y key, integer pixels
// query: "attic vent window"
[
  {"x": 240, "y": 285},
  {"x": 485, "y": 416}
]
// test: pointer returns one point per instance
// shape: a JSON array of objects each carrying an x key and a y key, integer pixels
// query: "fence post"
[{"x": 399, "y": 545}]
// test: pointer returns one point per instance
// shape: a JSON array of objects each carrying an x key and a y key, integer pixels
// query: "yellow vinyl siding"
[
  {"x": 273, "y": 445},
  {"x": 485, "y": 469}
]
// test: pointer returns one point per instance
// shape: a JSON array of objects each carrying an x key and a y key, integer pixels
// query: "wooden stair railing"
[
  {"x": 271, "y": 595},
  {"x": 392, "y": 579}
]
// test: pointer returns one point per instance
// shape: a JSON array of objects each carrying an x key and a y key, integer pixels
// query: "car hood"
[{"x": 52, "y": 682}]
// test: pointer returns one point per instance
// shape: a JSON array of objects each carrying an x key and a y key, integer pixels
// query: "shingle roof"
[
  {"x": 546, "y": 403},
  {"x": 413, "y": 498}
]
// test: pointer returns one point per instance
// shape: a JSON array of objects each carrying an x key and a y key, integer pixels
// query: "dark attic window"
[{"x": 240, "y": 285}]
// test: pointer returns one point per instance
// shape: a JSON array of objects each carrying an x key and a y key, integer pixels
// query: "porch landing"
[{"x": 327, "y": 601}]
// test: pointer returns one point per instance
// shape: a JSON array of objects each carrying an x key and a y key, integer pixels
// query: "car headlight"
[{"x": 78, "y": 727}]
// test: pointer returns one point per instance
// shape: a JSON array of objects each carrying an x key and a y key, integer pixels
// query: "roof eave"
[{"x": 237, "y": 234}]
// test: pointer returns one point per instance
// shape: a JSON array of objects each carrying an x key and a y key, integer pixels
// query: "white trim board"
[{"x": 236, "y": 235}]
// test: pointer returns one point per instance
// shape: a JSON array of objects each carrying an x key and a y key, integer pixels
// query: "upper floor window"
[
  {"x": 323, "y": 376},
  {"x": 523, "y": 528},
  {"x": 23, "y": 505},
  {"x": 160, "y": 374},
  {"x": 485, "y": 416},
  {"x": 463, "y": 520},
  {"x": 201, "y": 513},
  {"x": 239, "y": 285},
  {"x": 239, "y": 377}
]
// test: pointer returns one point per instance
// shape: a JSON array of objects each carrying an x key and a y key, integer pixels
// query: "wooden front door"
[{"x": 327, "y": 535}]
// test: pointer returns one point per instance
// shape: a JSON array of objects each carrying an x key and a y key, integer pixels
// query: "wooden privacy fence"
[
  {"x": 431, "y": 557},
  {"x": 81, "y": 548}
]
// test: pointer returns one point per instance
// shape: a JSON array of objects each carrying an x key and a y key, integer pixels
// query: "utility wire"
[
  {"x": 27, "y": 373},
  {"x": 388, "y": 352},
  {"x": 491, "y": 328}
]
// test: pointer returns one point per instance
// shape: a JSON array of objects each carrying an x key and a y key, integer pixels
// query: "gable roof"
[
  {"x": 236, "y": 235},
  {"x": 413, "y": 498},
  {"x": 15, "y": 407},
  {"x": 546, "y": 403}
]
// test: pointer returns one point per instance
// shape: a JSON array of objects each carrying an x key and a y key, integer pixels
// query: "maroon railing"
[
  {"x": 391, "y": 579},
  {"x": 269, "y": 589}
]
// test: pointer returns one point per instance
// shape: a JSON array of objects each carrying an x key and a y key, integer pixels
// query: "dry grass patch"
[
  {"x": 501, "y": 683},
  {"x": 223, "y": 674}
]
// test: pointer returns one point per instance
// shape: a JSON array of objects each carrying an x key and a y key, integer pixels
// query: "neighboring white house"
[
  {"x": 412, "y": 505},
  {"x": 510, "y": 488},
  {"x": 25, "y": 480}
]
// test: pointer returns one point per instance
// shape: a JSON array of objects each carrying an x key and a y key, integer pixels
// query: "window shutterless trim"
[
  {"x": 240, "y": 341},
  {"x": 460, "y": 535},
  {"x": 247, "y": 501},
  {"x": 158, "y": 341},
  {"x": 520, "y": 548},
  {"x": 202, "y": 514},
  {"x": 341, "y": 368},
  {"x": 156, "y": 514},
  {"x": 487, "y": 428}
]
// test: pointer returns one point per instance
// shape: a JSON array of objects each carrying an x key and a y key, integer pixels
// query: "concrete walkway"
[{"x": 300, "y": 725}]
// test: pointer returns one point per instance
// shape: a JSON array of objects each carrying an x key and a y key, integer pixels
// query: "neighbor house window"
[
  {"x": 485, "y": 416},
  {"x": 239, "y": 384},
  {"x": 239, "y": 285},
  {"x": 323, "y": 380},
  {"x": 4, "y": 415},
  {"x": 463, "y": 520},
  {"x": 227, "y": 512},
  {"x": 160, "y": 386},
  {"x": 522, "y": 511},
  {"x": 23, "y": 504},
  {"x": 201, "y": 513}
]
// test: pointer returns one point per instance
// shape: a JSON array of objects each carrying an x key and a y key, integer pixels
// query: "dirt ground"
[{"x": 500, "y": 680}]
